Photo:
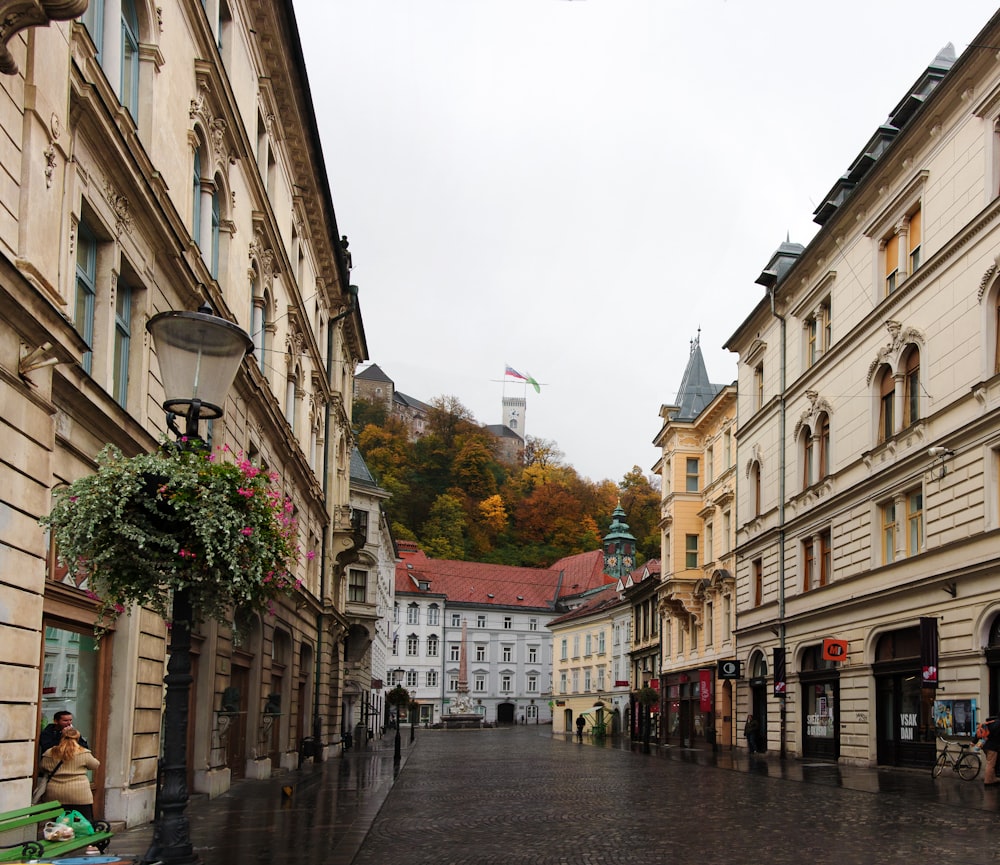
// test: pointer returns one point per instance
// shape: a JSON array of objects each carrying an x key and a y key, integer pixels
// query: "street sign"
[
  {"x": 834, "y": 650},
  {"x": 730, "y": 669}
]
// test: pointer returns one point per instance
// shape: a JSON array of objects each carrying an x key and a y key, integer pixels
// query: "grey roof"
[
  {"x": 373, "y": 373},
  {"x": 360, "y": 475},
  {"x": 696, "y": 391},
  {"x": 410, "y": 401},
  {"x": 503, "y": 431}
]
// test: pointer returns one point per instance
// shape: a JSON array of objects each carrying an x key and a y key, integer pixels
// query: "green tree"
[{"x": 442, "y": 536}]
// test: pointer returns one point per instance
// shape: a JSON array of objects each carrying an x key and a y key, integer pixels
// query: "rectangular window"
[
  {"x": 709, "y": 465},
  {"x": 891, "y": 254},
  {"x": 411, "y": 678},
  {"x": 600, "y": 643},
  {"x": 432, "y": 646},
  {"x": 888, "y": 512},
  {"x": 532, "y": 624},
  {"x": 562, "y": 683},
  {"x": 431, "y": 678},
  {"x": 453, "y": 683},
  {"x": 508, "y": 623},
  {"x": 586, "y": 681},
  {"x": 727, "y": 614},
  {"x": 507, "y": 653},
  {"x": 914, "y": 523},
  {"x": 480, "y": 653},
  {"x": 123, "y": 341},
  {"x": 357, "y": 586},
  {"x": 456, "y": 620},
  {"x": 709, "y": 542},
  {"x": 812, "y": 341},
  {"x": 454, "y": 651},
  {"x": 532, "y": 684},
  {"x": 709, "y": 624},
  {"x": 757, "y": 573},
  {"x": 690, "y": 551},
  {"x": 359, "y": 522},
  {"x": 481, "y": 621},
  {"x": 758, "y": 386},
  {"x": 576, "y": 645},
  {"x": 887, "y": 400},
  {"x": 86, "y": 290},
  {"x": 691, "y": 475},
  {"x": 480, "y": 685},
  {"x": 532, "y": 654},
  {"x": 412, "y": 645},
  {"x": 433, "y": 614},
  {"x": 693, "y": 625},
  {"x": 914, "y": 240},
  {"x": 826, "y": 323},
  {"x": 565, "y": 650},
  {"x": 412, "y": 614},
  {"x": 825, "y": 557},
  {"x": 505, "y": 682},
  {"x": 600, "y": 678},
  {"x": 587, "y": 643},
  {"x": 808, "y": 564}
]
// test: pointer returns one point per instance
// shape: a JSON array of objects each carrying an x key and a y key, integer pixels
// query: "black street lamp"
[
  {"x": 413, "y": 718},
  {"x": 399, "y": 698},
  {"x": 199, "y": 355}
]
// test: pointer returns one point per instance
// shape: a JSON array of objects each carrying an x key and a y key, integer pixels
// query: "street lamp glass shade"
[{"x": 199, "y": 357}]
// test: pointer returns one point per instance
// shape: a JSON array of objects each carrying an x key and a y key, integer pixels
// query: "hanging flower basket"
[
  {"x": 177, "y": 519},
  {"x": 648, "y": 696}
]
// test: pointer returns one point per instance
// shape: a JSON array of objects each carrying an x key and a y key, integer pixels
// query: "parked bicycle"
[{"x": 966, "y": 762}]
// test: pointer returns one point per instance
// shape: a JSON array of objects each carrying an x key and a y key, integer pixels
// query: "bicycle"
[{"x": 966, "y": 763}]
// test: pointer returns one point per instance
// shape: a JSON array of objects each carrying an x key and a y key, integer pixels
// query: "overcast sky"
[{"x": 575, "y": 188}]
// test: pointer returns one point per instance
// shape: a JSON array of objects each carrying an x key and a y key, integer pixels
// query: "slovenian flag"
[{"x": 513, "y": 373}]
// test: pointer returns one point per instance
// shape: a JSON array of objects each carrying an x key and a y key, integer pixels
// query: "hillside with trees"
[{"x": 452, "y": 493}]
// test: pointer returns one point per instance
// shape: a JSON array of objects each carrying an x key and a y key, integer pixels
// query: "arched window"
[
  {"x": 886, "y": 402},
  {"x": 823, "y": 447},
  {"x": 806, "y": 450},
  {"x": 911, "y": 387},
  {"x": 755, "y": 487},
  {"x": 130, "y": 58},
  {"x": 216, "y": 222},
  {"x": 196, "y": 197}
]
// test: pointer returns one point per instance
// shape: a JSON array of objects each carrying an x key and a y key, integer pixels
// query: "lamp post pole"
[{"x": 199, "y": 355}]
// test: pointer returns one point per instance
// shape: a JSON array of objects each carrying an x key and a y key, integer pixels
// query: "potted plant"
[{"x": 178, "y": 518}]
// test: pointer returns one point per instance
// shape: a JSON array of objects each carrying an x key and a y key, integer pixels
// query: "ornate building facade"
[{"x": 160, "y": 157}]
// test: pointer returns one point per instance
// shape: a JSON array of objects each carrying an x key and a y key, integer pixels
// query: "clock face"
[
  {"x": 612, "y": 561},
  {"x": 627, "y": 561}
]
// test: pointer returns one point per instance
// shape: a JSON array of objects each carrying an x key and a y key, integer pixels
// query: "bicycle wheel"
[
  {"x": 968, "y": 766},
  {"x": 938, "y": 767}
]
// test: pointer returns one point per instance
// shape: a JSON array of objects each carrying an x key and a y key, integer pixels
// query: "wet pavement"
[{"x": 520, "y": 795}]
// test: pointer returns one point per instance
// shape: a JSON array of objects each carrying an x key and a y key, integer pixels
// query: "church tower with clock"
[{"x": 619, "y": 547}]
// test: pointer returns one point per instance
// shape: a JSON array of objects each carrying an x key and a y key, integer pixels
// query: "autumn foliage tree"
[{"x": 451, "y": 492}]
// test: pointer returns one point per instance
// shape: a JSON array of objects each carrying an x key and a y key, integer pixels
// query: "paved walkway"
[{"x": 520, "y": 795}]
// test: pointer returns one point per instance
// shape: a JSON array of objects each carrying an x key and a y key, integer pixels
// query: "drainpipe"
[{"x": 781, "y": 518}]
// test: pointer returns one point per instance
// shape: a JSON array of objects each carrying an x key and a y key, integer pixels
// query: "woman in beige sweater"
[{"x": 70, "y": 785}]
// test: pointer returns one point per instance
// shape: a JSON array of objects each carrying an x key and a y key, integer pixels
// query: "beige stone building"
[
  {"x": 159, "y": 156},
  {"x": 868, "y": 501},
  {"x": 696, "y": 599}
]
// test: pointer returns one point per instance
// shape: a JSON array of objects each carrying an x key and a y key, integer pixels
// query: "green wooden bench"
[{"x": 36, "y": 815}]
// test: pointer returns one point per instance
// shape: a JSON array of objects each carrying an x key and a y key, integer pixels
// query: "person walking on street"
[
  {"x": 992, "y": 747},
  {"x": 579, "y": 726},
  {"x": 752, "y": 732}
]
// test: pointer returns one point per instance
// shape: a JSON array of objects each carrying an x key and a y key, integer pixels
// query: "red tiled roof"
[
  {"x": 607, "y": 597},
  {"x": 503, "y": 585}
]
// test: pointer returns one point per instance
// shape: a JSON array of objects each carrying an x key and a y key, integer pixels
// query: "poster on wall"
[{"x": 955, "y": 717}]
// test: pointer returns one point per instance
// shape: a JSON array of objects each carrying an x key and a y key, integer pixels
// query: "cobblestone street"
[{"x": 519, "y": 796}]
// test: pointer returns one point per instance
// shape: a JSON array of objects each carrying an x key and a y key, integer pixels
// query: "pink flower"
[
  {"x": 311, "y": 555},
  {"x": 73, "y": 498},
  {"x": 246, "y": 530},
  {"x": 243, "y": 491}
]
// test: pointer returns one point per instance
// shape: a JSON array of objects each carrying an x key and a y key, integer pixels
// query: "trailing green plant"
[
  {"x": 178, "y": 518},
  {"x": 648, "y": 696}
]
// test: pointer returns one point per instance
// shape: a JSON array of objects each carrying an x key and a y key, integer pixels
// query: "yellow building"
[
  {"x": 696, "y": 595},
  {"x": 590, "y": 664}
]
